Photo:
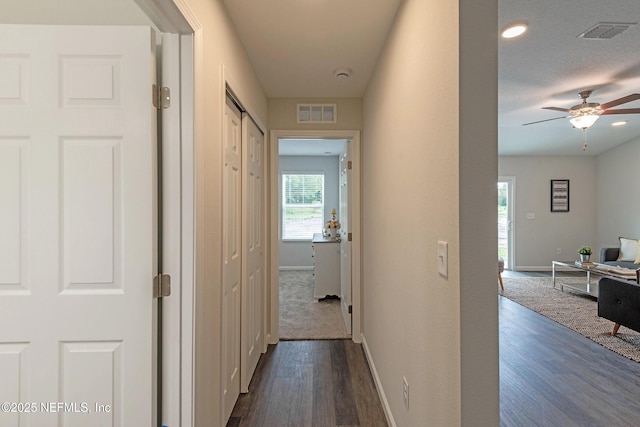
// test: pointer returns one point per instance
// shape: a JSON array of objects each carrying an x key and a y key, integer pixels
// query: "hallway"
[{"x": 303, "y": 383}]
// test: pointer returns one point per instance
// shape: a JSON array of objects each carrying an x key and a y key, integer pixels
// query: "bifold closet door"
[{"x": 231, "y": 255}]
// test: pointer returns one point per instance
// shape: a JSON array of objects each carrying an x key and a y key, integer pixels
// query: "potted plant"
[{"x": 585, "y": 253}]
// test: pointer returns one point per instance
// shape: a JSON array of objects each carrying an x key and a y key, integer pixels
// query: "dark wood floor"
[
  {"x": 550, "y": 376},
  {"x": 311, "y": 383}
]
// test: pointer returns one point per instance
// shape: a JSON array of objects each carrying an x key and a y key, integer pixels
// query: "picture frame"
[{"x": 559, "y": 195}]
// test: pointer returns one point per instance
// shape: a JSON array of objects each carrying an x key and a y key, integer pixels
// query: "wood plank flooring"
[
  {"x": 311, "y": 383},
  {"x": 552, "y": 376}
]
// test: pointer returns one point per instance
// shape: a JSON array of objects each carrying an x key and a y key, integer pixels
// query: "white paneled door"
[
  {"x": 77, "y": 226},
  {"x": 345, "y": 243},
  {"x": 253, "y": 209},
  {"x": 231, "y": 255}
]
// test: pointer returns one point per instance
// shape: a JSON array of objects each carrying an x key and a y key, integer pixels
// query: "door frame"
[
  {"x": 273, "y": 284},
  {"x": 179, "y": 252}
]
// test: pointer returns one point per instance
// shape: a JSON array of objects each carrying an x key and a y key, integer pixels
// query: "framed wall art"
[{"x": 559, "y": 195}]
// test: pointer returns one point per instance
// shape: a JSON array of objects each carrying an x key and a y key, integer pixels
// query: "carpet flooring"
[
  {"x": 301, "y": 318},
  {"x": 572, "y": 309}
]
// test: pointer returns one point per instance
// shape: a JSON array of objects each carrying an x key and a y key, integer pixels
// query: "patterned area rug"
[
  {"x": 572, "y": 309},
  {"x": 301, "y": 318}
]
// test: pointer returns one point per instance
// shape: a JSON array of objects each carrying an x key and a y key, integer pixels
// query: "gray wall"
[
  {"x": 618, "y": 194},
  {"x": 298, "y": 254},
  {"x": 605, "y": 201},
  {"x": 538, "y": 240}
]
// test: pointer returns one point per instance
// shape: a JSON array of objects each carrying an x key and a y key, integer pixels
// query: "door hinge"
[
  {"x": 350, "y": 308},
  {"x": 161, "y": 97},
  {"x": 349, "y": 236},
  {"x": 161, "y": 286},
  {"x": 349, "y": 165}
]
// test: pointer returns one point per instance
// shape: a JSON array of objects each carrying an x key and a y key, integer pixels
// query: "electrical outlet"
[
  {"x": 559, "y": 251},
  {"x": 405, "y": 392}
]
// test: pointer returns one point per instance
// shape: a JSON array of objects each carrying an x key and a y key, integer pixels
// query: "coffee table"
[{"x": 595, "y": 268}]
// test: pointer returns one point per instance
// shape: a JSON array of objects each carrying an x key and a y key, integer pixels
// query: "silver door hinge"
[
  {"x": 161, "y": 286},
  {"x": 349, "y": 237},
  {"x": 161, "y": 97}
]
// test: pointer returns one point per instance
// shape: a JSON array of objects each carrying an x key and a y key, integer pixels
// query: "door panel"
[
  {"x": 77, "y": 238},
  {"x": 345, "y": 244},
  {"x": 253, "y": 247},
  {"x": 232, "y": 257}
]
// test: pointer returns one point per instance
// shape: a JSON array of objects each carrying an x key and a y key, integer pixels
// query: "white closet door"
[
  {"x": 231, "y": 256},
  {"x": 253, "y": 209},
  {"x": 77, "y": 225}
]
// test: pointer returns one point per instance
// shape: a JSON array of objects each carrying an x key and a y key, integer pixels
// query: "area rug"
[
  {"x": 301, "y": 318},
  {"x": 572, "y": 309}
]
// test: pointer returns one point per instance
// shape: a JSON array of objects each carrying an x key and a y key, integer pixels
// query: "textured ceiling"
[
  {"x": 550, "y": 64},
  {"x": 295, "y": 45}
]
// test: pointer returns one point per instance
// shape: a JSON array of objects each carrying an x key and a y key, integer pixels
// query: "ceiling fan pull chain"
[{"x": 584, "y": 133}]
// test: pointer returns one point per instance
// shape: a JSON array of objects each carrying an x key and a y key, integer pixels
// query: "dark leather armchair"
[{"x": 619, "y": 301}]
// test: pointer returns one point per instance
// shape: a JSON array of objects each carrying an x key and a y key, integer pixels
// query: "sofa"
[
  {"x": 626, "y": 255},
  {"x": 619, "y": 301}
]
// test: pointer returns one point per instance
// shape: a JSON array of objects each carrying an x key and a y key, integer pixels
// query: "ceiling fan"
[{"x": 585, "y": 114}]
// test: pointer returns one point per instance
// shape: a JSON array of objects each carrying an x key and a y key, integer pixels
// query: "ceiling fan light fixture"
[
  {"x": 514, "y": 29},
  {"x": 585, "y": 121}
]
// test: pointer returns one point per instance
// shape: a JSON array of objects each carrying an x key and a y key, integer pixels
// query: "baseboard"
[
  {"x": 295, "y": 267},
  {"x": 376, "y": 379}
]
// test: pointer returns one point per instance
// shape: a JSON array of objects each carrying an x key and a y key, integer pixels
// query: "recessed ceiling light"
[
  {"x": 514, "y": 29},
  {"x": 620, "y": 123}
]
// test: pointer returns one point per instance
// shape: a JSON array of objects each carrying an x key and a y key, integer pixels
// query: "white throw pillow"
[{"x": 628, "y": 249}]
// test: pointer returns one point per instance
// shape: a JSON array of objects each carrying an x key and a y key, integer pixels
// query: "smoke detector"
[{"x": 342, "y": 73}]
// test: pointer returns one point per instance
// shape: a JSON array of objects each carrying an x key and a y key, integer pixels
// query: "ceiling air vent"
[
  {"x": 606, "y": 30},
  {"x": 317, "y": 113}
]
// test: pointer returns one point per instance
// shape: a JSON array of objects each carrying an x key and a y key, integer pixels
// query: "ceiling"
[{"x": 295, "y": 46}]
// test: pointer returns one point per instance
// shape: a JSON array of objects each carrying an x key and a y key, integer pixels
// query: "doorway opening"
[
  {"x": 309, "y": 260},
  {"x": 304, "y": 156},
  {"x": 506, "y": 200}
]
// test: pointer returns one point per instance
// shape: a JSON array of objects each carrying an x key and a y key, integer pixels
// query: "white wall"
[
  {"x": 538, "y": 240},
  {"x": 298, "y": 254},
  {"x": 618, "y": 194},
  {"x": 429, "y": 174}
]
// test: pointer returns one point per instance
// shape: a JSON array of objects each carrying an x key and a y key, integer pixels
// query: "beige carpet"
[
  {"x": 303, "y": 319},
  {"x": 573, "y": 310}
]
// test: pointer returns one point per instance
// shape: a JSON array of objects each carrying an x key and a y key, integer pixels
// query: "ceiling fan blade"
[
  {"x": 619, "y": 101},
  {"x": 622, "y": 111},
  {"x": 564, "y": 110},
  {"x": 541, "y": 121}
]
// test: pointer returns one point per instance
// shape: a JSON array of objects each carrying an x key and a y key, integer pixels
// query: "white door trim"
[
  {"x": 273, "y": 334},
  {"x": 175, "y": 16}
]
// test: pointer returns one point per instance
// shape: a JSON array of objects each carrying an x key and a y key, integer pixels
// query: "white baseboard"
[
  {"x": 295, "y": 267},
  {"x": 376, "y": 379}
]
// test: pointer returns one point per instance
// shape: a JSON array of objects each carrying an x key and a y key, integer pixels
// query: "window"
[{"x": 302, "y": 205}]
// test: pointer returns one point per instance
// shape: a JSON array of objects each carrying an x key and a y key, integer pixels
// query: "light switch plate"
[{"x": 443, "y": 258}]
